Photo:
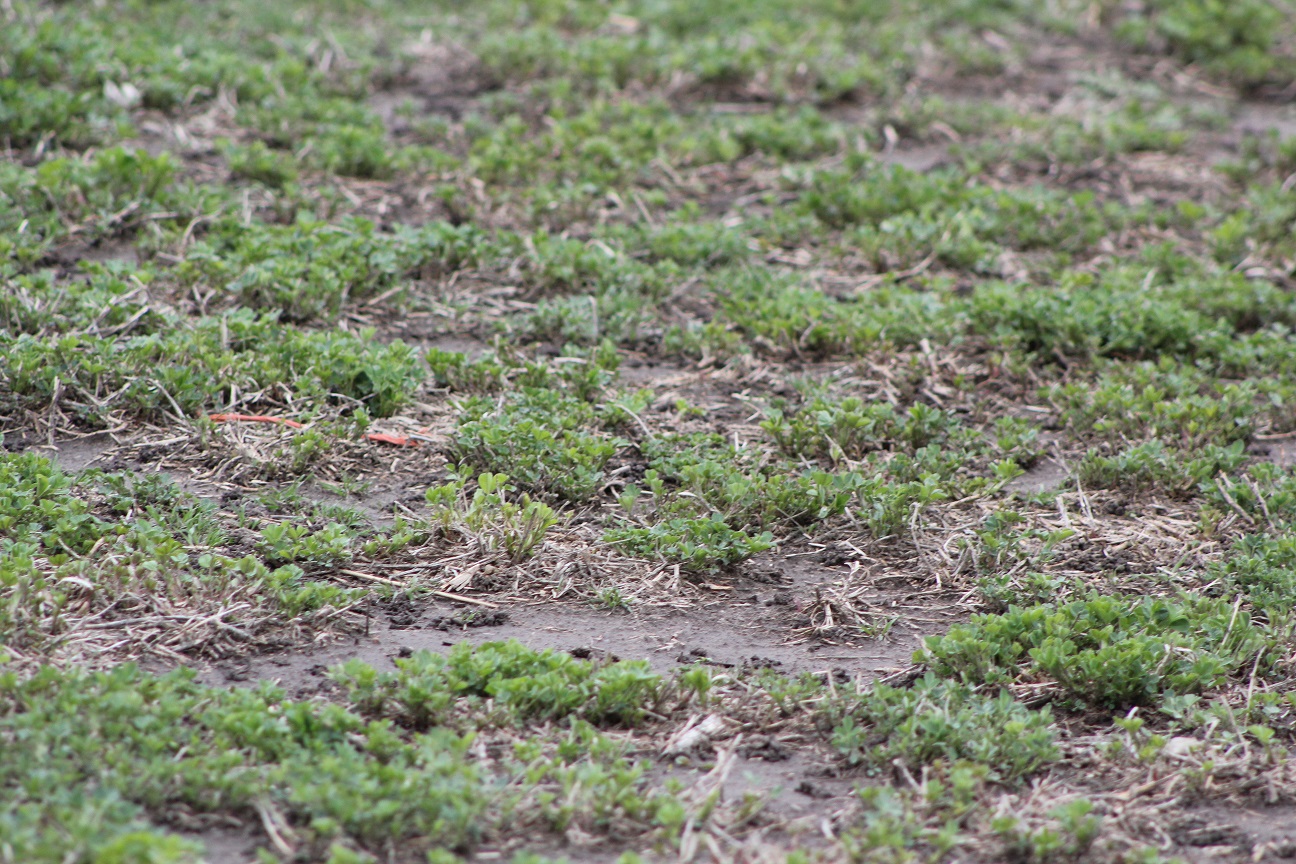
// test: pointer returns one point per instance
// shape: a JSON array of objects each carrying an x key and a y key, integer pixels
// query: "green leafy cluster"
[
  {"x": 1152, "y": 465},
  {"x": 942, "y": 721},
  {"x": 904, "y": 215},
  {"x": 699, "y": 543},
  {"x": 100, "y": 750},
  {"x": 93, "y": 759},
  {"x": 306, "y": 270},
  {"x": 102, "y": 195},
  {"x": 51, "y": 521},
  {"x": 546, "y": 441},
  {"x": 190, "y": 367},
  {"x": 105, "y": 300},
  {"x": 1107, "y": 651},
  {"x": 521, "y": 684},
  {"x": 850, "y": 428},
  {"x": 1235, "y": 40},
  {"x": 38, "y": 507},
  {"x": 514, "y": 527}
]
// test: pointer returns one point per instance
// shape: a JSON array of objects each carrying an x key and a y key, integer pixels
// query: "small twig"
[
  {"x": 1264, "y": 507},
  {"x": 269, "y": 822},
  {"x": 1246, "y": 517},
  {"x": 126, "y": 325},
  {"x": 372, "y": 578},
  {"x": 252, "y": 418},
  {"x": 446, "y": 595}
]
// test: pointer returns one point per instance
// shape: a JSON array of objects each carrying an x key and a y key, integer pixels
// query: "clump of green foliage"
[
  {"x": 191, "y": 367},
  {"x": 522, "y": 685},
  {"x": 1105, "y": 651},
  {"x": 942, "y": 721},
  {"x": 1150, "y": 465},
  {"x": 1234, "y": 40},
  {"x": 547, "y": 442},
  {"x": 306, "y": 270},
  {"x": 95, "y": 758},
  {"x": 700, "y": 543},
  {"x": 51, "y": 524},
  {"x": 514, "y": 527},
  {"x": 114, "y": 746}
]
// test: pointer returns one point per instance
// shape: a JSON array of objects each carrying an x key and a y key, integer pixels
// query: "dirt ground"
[{"x": 1033, "y": 111}]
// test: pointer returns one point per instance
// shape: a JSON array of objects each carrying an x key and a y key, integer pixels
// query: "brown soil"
[
  {"x": 749, "y": 628},
  {"x": 761, "y": 615},
  {"x": 1044, "y": 476},
  {"x": 1216, "y": 833}
]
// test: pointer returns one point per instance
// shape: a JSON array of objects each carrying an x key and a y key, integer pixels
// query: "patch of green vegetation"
[
  {"x": 1260, "y": 153},
  {"x": 260, "y": 164},
  {"x": 286, "y": 543},
  {"x": 206, "y": 207},
  {"x": 849, "y": 428},
  {"x": 188, "y": 368},
  {"x": 688, "y": 473},
  {"x": 784, "y": 134},
  {"x": 160, "y": 548},
  {"x": 94, "y": 758},
  {"x": 700, "y": 543},
  {"x": 1164, "y": 401},
  {"x": 782, "y": 316},
  {"x": 712, "y": 503},
  {"x": 905, "y": 215},
  {"x": 287, "y": 500},
  {"x": 1000, "y": 551},
  {"x": 38, "y": 507},
  {"x": 429, "y": 690},
  {"x": 547, "y": 442},
  {"x": 942, "y": 721},
  {"x": 593, "y": 291},
  {"x": 1236, "y": 40},
  {"x": 899, "y": 824},
  {"x": 453, "y": 369},
  {"x": 1236, "y": 325},
  {"x": 305, "y": 271},
  {"x": 1262, "y": 567},
  {"x": 1104, "y": 651},
  {"x": 38, "y": 304},
  {"x": 1151, "y": 465},
  {"x": 514, "y": 527},
  {"x": 910, "y": 446},
  {"x": 1070, "y": 832},
  {"x": 1113, "y": 128},
  {"x": 114, "y": 192}
]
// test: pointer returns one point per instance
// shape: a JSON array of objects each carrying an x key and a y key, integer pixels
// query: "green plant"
[
  {"x": 701, "y": 544},
  {"x": 1232, "y": 39},
  {"x": 285, "y": 543},
  {"x": 746, "y": 286},
  {"x": 1105, "y": 651},
  {"x": 938, "y": 720},
  {"x": 541, "y": 439},
  {"x": 259, "y": 163},
  {"x": 898, "y": 824},
  {"x": 307, "y": 270},
  {"x": 516, "y": 528},
  {"x": 1263, "y": 568},
  {"x": 37, "y": 506},
  {"x": 1070, "y": 833},
  {"x": 613, "y": 600},
  {"x": 105, "y": 752},
  {"x": 160, "y": 740},
  {"x": 1152, "y": 465},
  {"x": 523, "y": 684}
]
